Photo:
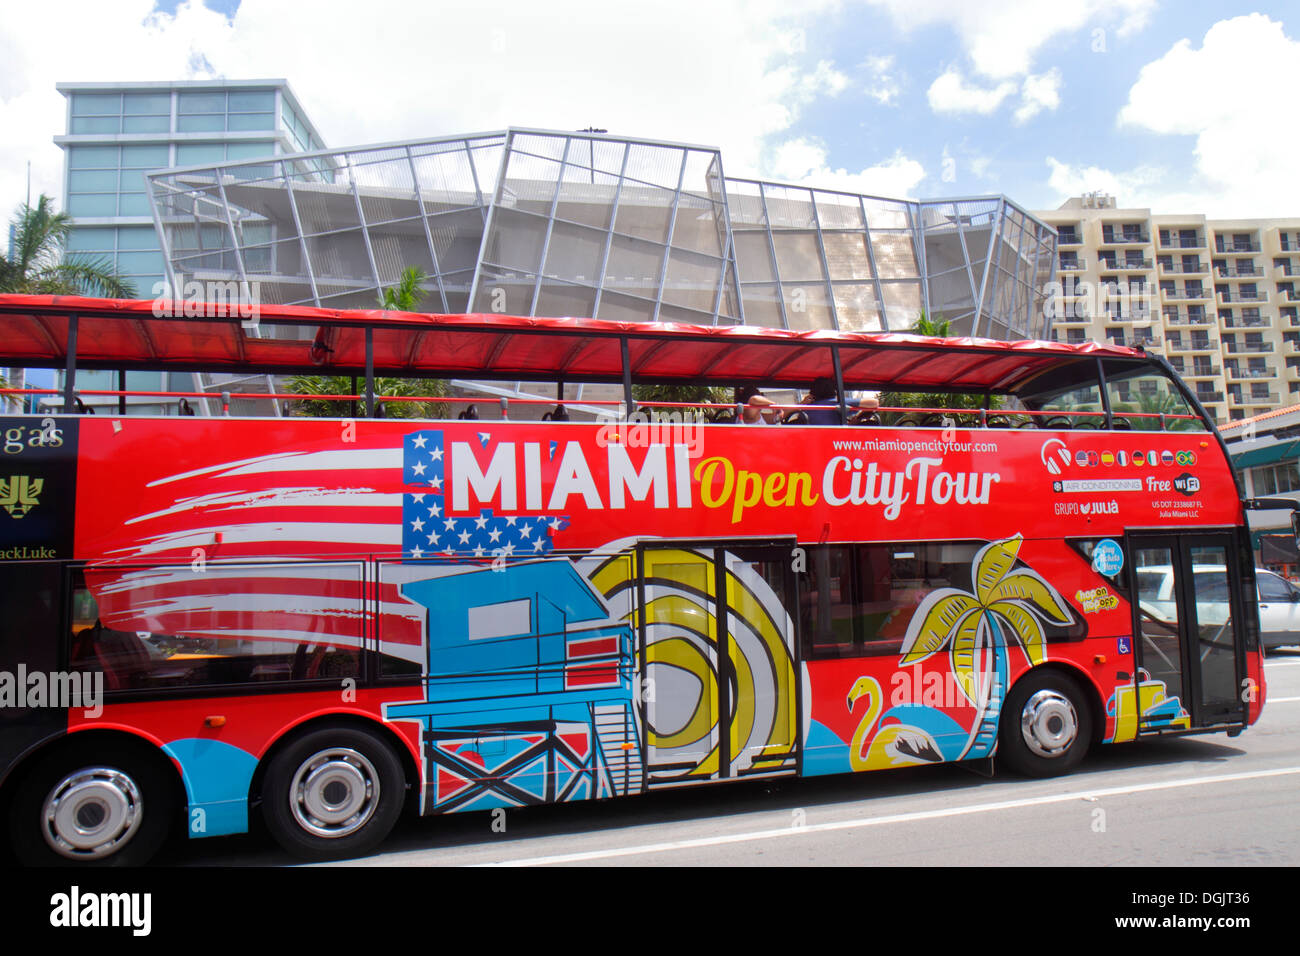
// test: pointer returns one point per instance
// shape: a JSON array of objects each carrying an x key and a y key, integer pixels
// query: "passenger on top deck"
[
  {"x": 826, "y": 410},
  {"x": 758, "y": 408}
]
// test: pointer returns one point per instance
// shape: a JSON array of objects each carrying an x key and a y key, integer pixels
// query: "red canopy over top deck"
[{"x": 129, "y": 334}]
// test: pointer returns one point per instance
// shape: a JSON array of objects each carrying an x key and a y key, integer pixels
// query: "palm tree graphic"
[{"x": 1009, "y": 605}]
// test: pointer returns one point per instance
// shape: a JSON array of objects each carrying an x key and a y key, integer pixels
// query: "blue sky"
[{"x": 1179, "y": 105}]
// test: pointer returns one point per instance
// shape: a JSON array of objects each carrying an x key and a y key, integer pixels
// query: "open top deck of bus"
[
  {"x": 72, "y": 333},
  {"x": 131, "y": 334}
]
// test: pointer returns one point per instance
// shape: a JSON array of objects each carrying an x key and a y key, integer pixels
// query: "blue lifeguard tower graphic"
[{"x": 528, "y": 690}]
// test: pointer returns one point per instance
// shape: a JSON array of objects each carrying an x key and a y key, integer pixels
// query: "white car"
[{"x": 1279, "y": 600}]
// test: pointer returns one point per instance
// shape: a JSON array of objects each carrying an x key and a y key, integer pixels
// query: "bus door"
[
  {"x": 716, "y": 659},
  {"x": 1188, "y": 611}
]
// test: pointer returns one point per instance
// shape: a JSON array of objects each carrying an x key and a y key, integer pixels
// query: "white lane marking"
[
  {"x": 1281, "y": 700},
  {"x": 891, "y": 818}
]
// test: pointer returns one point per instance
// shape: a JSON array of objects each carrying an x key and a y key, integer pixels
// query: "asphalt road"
[{"x": 1194, "y": 801}]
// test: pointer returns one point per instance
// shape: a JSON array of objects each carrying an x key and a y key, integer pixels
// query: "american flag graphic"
[
  {"x": 428, "y": 531},
  {"x": 273, "y": 547}
]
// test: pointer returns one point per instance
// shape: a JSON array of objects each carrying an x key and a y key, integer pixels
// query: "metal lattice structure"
[{"x": 540, "y": 222}]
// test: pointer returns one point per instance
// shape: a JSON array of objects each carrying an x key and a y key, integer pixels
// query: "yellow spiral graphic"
[{"x": 682, "y": 625}]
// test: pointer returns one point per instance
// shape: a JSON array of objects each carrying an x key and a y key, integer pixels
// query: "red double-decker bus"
[{"x": 1017, "y": 550}]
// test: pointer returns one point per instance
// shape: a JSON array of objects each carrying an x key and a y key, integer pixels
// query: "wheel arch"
[
  {"x": 140, "y": 744},
  {"x": 1082, "y": 681},
  {"x": 410, "y": 770}
]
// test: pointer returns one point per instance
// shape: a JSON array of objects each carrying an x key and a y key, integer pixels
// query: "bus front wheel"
[
  {"x": 1046, "y": 725},
  {"x": 89, "y": 805},
  {"x": 333, "y": 793}
]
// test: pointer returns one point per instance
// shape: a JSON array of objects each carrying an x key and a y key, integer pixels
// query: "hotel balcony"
[
  {"x": 1235, "y": 248},
  {"x": 1180, "y": 242},
  {"x": 1141, "y": 317},
  {"x": 1207, "y": 398},
  {"x": 1195, "y": 345},
  {"x": 1236, "y": 295},
  {"x": 1200, "y": 267},
  {"x": 1124, "y": 239},
  {"x": 1180, "y": 294},
  {"x": 1238, "y": 322},
  {"x": 1245, "y": 374},
  {"x": 1177, "y": 319},
  {"x": 1240, "y": 272},
  {"x": 1241, "y": 401},
  {"x": 1239, "y": 348},
  {"x": 1072, "y": 265}
]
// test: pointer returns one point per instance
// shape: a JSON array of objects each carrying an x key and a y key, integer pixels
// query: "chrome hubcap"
[
  {"x": 1049, "y": 723},
  {"x": 334, "y": 793},
  {"x": 91, "y": 813}
]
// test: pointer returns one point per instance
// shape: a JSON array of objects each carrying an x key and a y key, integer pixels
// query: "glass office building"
[
  {"x": 117, "y": 132},
  {"x": 544, "y": 222}
]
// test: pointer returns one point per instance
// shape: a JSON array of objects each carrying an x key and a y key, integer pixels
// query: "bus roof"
[{"x": 132, "y": 334}]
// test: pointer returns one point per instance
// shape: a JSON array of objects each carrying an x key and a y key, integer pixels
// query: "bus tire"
[
  {"x": 83, "y": 806},
  {"x": 333, "y": 793},
  {"x": 1046, "y": 725}
]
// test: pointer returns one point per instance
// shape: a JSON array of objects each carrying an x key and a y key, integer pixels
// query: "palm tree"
[
  {"x": 941, "y": 328},
  {"x": 38, "y": 263},
  {"x": 403, "y": 297},
  {"x": 1014, "y": 603},
  {"x": 406, "y": 295}
]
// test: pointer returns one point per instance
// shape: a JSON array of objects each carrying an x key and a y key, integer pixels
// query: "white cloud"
[
  {"x": 735, "y": 78},
  {"x": 1002, "y": 36},
  {"x": 884, "y": 85},
  {"x": 1038, "y": 93},
  {"x": 1147, "y": 186},
  {"x": 803, "y": 161},
  {"x": 1228, "y": 94},
  {"x": 950, "y": 93},
  {"x": 1128, "y": 187}
]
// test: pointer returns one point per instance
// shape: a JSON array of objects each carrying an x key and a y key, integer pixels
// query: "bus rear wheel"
[
  {"x": 333, "y": 793},
  {"x": 1046, "y": 725},
  {"x": 87, "y": 805}
]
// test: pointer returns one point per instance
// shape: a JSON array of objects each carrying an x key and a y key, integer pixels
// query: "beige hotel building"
[{"x": 1217, "y": 297}]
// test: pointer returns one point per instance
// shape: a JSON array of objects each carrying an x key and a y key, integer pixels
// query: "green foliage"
[
  {"x": 406, "y": 295},
  {"x": 1157, "y": 403},
  {"x": 714, "y": 395},
  {"x": 40, "y": 265},
  {"x": 341, "y": 385},
  {"x": 403, "y": 297},
  {"x": 938, "y": 327}
]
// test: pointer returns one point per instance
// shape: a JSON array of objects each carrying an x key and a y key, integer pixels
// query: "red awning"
[{"x": 123, "y": 334}]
